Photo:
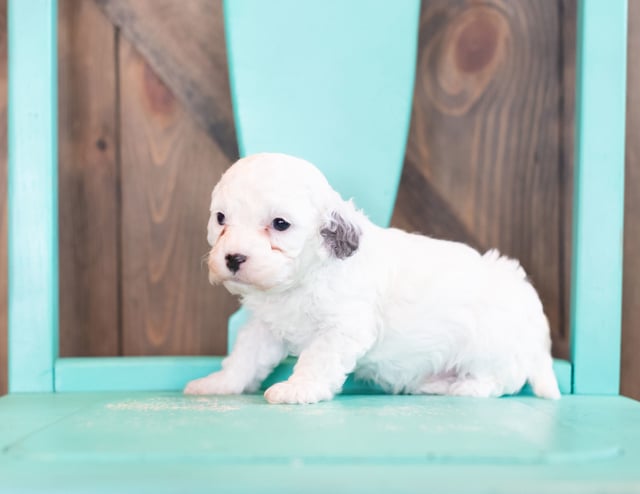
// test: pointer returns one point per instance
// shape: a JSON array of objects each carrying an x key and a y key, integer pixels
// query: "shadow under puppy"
[{"x": 405, "y": 311}]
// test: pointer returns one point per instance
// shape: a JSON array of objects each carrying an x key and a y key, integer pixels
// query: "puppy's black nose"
[{"x": 234, "y": 261}]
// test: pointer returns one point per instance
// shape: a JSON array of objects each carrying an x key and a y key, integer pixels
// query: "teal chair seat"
[{"x": 305, "y": 81}]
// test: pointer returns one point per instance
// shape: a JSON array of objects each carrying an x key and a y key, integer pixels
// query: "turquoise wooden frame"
[
  {"x": 598, "y": 212},
  {"x": 34, "y": 364},
  {"x": 32, "y": 192}
]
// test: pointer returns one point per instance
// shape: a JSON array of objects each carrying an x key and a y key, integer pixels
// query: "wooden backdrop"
[{"x": 146, "y": 129}]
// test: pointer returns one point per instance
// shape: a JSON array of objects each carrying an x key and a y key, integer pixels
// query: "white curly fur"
[{"x": 410, "y": 313}]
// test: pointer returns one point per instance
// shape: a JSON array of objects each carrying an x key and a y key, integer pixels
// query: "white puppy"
[{"x": 407, "y": 312}]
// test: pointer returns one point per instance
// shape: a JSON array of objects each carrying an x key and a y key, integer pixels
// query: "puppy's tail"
[{"x": 543, "y": 380}]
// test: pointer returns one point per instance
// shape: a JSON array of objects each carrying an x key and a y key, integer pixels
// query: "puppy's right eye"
[
  {"x": 220, "y": 218},
  {"x": 280, "y": 224}
]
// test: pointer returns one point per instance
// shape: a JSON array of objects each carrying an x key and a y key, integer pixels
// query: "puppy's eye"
[
  {"x": 280, "y": 224},
  {"x": 220, "y": 217}
]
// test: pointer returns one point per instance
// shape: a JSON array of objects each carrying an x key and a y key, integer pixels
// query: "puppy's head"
[{"x": 275, "y": 218}]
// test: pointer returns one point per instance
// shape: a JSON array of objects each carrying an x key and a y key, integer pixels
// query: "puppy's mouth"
[
  {"x": 216, "y": 279},
  {"x": 241, "y": 287},
  {"x": 233, "y": 282}
]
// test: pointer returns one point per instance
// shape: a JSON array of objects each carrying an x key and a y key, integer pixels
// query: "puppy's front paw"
[
  {"x": 294, "y": 392},
  {"x": 218, "y": 383}
]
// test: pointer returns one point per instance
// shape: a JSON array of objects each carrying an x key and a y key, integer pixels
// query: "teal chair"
[{"x": 121, "y": 424}]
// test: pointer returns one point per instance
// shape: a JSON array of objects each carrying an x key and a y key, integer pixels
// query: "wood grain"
[
  {"x": 3, "y": 197},
  {"x": 486, "y": 135},
  {"x": 566, "y": 156},
  {"x": 630, "y": 378},
  {"x": 169, "y": 166},
  {"x": 420, "y": 206},
  {"x": 88, "y": 181},
  {"x": 184, "y": 44}
]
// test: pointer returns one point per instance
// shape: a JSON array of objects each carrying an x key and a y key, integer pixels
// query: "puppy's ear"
[{"x": 341, "y": 235}]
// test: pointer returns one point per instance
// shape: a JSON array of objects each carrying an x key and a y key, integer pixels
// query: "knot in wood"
[
  {"x": 463, "y": 56},
  {"x": 476, "y": 44}
]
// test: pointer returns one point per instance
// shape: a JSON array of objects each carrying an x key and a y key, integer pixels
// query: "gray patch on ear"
[{"x": 340, "y": 236}]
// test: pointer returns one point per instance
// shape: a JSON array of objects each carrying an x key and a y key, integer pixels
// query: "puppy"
[{"x": 407, "y": 312}]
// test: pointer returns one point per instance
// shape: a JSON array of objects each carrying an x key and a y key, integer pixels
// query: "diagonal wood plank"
[
  {"x": 169, "y": 166},
  {"x": 420, "y": 207},
  {"x": 184, "y": 44},
  {"x": 88, "y": 181},
  {"x": 486, "y": 131},
  {"x": 3, "y": 197}
]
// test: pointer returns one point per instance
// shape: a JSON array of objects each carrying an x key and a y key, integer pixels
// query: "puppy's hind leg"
[
  {"x": 439, "y": 384},
  {"x": 476, "y": 386},
  {"x": 543, "y": 380}
]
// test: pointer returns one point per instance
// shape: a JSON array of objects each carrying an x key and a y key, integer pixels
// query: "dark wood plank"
[
  {"x": 88, "y": 181},
  {"x": 184, "y": 44},
  {"x": 420, "y": 206},
  {"x": 169, "y": 166},
  {"x": 630, "y": 384},
  {"x": 3, "y": 197},
  {"x": 567, "y": 64},
  {"x": 486, "y": 135}
]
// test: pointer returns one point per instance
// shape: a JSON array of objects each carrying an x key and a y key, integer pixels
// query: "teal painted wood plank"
[
  {"x": 154, "y": 373},
  {"x": 375, "y": 429},
  {"x": 329, "y": 81},
  {"x": 154, "y": 478},
  {"x": 131, "y": 373},
  {"x": 166, "y": 442},
  {"x": 599, "y": 196},
  {"x": 32, "y": 192},
  {"x": 33, "y": 411},
  {"x": 172, "y": 373}
]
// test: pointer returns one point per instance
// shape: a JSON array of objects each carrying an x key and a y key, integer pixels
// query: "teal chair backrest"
[{"x": 330, "y": 81}]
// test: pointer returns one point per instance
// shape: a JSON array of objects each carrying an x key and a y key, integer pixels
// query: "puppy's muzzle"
[{"x": 233, "y": 261}]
